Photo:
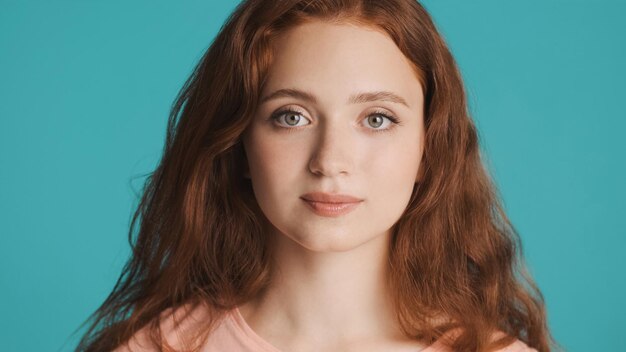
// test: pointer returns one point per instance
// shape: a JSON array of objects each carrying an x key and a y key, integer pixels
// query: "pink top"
[{"x": 233, "y": 334}]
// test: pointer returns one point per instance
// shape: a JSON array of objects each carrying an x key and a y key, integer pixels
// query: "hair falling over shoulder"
[{"x": 198, "y": 236}]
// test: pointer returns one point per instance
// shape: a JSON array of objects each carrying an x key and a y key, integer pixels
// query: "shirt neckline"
[{"x": 242, "y": 325}]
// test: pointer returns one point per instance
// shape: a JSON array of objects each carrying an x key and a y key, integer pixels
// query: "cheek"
[
  {"x": 391, "y": 176},
  {"x": 273, "y": 166},
  {"x": 395, "y": 165},
  {"x": 274, "y": 157}
]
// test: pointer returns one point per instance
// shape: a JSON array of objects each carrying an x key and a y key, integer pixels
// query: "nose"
[{"x": 333, "y": 150}]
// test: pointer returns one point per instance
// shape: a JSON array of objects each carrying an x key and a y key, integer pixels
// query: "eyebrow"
[{"x": 362, "y": 97}]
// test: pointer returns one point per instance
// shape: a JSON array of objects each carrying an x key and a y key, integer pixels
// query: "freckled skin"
[{"x": 334, "y": 147}]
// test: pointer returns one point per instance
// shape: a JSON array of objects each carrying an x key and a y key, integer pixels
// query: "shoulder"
[
  {"x": 516, "y": 346},
  {"x": 139, "y": 342},
  {"x": 175, "y": 325}
]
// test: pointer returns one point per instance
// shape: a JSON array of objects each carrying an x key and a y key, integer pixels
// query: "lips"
[
  {"x": 322, "y": 197},
  {"x": 331, "y": 205}
]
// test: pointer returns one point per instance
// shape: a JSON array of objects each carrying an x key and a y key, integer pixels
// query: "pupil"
[
  {"x": 377, "y": 120},
  {"x": 292, "y": 118}
]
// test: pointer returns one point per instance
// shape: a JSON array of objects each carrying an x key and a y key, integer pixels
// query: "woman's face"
[{"x": 331, "y": 142}]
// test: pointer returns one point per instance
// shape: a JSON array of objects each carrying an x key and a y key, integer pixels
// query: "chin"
[{"x": 336, "y": 242}]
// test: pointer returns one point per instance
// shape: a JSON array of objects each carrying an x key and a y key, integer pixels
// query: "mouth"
[
  {"x": 322, "y": 197},
  {"x": 331, "y": 205}
]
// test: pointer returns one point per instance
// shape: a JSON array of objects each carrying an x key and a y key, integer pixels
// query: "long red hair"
[{"x": 201, "y": 234}]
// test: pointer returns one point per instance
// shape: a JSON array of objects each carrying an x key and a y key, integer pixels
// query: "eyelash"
[{"x": 393, "y": 119}]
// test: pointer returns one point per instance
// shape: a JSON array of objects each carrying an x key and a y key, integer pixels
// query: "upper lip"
[{"x": 330, "y": 198}]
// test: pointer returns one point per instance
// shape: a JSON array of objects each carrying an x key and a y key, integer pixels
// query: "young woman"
[{"x": 321, "y": 189}]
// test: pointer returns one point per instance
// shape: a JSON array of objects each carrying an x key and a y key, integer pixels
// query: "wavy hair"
[{"x": 202, "y": 237}]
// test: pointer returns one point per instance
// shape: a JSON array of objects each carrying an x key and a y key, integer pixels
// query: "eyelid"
[{"x": 387, "y": 113}]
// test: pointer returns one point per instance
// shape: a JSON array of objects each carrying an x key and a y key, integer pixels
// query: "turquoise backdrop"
[{"x": 85, "y": 89}]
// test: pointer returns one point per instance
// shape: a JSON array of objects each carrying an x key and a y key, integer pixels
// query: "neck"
[{"x": 327, "y": 296}]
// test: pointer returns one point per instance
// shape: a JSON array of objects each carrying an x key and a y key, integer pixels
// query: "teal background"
[{"x": 86, "y": 86}]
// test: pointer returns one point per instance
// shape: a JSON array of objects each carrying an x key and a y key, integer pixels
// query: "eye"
[
  {"x": 290, "y": 116},
  {"x": 377, "y": 119}
]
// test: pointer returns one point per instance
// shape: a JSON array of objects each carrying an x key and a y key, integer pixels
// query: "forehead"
[{"x": 335, "y": 60}]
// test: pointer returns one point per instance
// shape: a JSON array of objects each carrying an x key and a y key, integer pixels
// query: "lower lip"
[{"x": 331, "y": 209}]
